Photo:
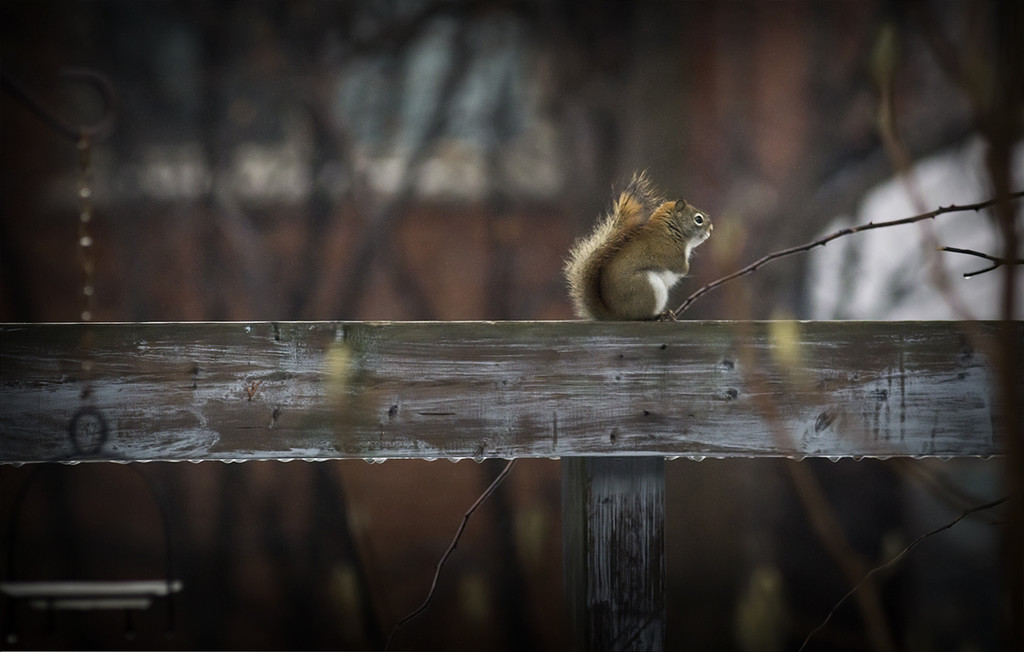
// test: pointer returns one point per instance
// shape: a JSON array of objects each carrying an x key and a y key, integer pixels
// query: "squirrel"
[{"x": 637, "y": 252}]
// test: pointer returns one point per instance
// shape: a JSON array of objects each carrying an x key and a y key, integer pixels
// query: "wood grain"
[
  {"x": 613, "y": 525},
  {"x": 324, "y": 390}
]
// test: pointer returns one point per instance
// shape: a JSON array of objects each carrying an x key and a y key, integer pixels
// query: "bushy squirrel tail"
[{"x": 631, "y": 210}]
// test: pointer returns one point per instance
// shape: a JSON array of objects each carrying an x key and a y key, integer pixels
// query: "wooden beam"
[
  {"x": 613, "y": 524},
  {"x": 320, "y": 390}
]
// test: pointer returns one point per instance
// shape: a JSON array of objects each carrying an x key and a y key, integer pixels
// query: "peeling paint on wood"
[{"x": 319, "y": 390}]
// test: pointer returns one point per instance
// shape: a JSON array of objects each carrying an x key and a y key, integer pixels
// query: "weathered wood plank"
[
  {"x": 613, "y": 524},
  {"x": 235, "y": 391}
]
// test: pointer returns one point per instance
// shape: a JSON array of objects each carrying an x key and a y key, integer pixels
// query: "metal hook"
[
  {"x": 95, "y": 132},
  {"x": 88, "y": 413},
  {"x": 53, "y": 596}
]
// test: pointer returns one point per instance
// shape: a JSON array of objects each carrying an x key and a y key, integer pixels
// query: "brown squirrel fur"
[{"x": 624, "y": 269}]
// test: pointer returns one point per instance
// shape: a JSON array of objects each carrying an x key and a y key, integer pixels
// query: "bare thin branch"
[
  {"x": 999, "y": 262},
  {"x": 451, "y": 548},
  {"x": 826, "y": 526},
  {"x": 833, "y": 236},
  {"x": 895, "y": 560}
]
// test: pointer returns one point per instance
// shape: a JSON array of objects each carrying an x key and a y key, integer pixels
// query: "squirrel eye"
[{"x": 698, "y": 219}]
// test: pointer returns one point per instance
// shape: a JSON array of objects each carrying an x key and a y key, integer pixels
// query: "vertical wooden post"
[{"x": 613, "y": 515}]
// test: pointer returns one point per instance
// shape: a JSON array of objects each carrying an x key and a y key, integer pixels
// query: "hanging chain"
[
  {"x": 88, "y": 421},
  {"x": 86, "y": 256},
  {"x": 86, "y": 248}
]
